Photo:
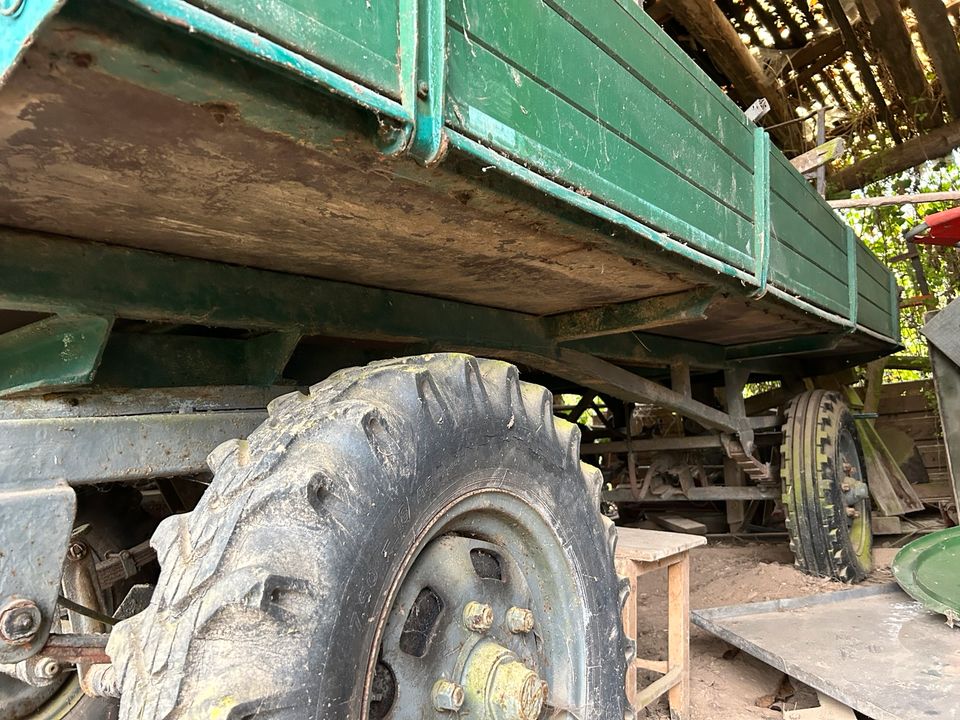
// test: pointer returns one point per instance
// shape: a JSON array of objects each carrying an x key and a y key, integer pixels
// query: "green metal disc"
[{"x": 928, "y": 569}]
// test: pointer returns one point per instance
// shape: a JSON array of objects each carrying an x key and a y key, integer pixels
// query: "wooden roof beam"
[
  {"x": 839, "y": 17},
  {"x": 891, "y": 40},
  {"x": 817, "y": 53},
  {"x": 935, "y": 144},
  {"x": 936, "y": 32},
  {"x": 707, "y": 23}
]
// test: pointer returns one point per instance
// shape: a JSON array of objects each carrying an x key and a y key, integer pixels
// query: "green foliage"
[{"x": 883, "y": 228}]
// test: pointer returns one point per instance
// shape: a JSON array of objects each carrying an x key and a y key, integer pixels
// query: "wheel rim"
[
  {"x": 437, "y": 649},
  {"x": 856, "y": 499}
]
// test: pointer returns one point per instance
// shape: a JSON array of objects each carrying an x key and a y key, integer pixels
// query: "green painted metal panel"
[
  {"x": 800, "y": 274},
  {"x": 357, "y": 37},
  {"x": 55, "y": 353},
  {"x": 804, "y": 199},
  {"x": 873, "y": 285},
  {"x": 928, "y": 569}
]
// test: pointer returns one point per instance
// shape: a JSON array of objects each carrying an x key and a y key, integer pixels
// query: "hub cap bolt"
[
  {"x": 19, "y": 621},
  {"x": 47, "y": 668},
  {"x": 477, "y": 617},
  {"x": 447, "y": 695},
  {"x": 519, "y": 620}
]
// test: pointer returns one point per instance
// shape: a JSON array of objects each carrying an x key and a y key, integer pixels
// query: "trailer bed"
[{"x": 587, "y": 162}]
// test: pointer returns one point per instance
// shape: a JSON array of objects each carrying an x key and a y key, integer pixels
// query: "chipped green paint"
[
  {"x": 853, "y": 289},
  {"x": 56, "y": 353},
  {"x": 497, "y": 85},
  {"x": 701, "y": 182},
  {"x": 192, "y": 18},
  {"x": 40, "y": 273}
]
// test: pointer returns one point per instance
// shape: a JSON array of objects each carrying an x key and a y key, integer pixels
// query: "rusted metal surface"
[{"x": 87, "y": 648}]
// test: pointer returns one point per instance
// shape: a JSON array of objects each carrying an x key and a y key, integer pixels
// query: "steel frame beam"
[
  {"x": 632, "y": 316},
  {"x": 41, "y": 273},
  {"x": 99, "y": 436},
  {"x": 54, "y": 353}
]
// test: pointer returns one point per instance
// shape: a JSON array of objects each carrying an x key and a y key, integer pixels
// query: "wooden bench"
[{"x": 639, "y": 552}]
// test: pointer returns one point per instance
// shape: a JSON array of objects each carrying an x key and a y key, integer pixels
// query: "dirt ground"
[{"x": 727, "y": 684}]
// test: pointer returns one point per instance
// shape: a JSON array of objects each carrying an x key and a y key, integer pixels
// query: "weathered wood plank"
[
  {"x": 836, "y": 12},
  {"x": 940, "y": 42},
  {"x": 820, "y": 155},
  {"x": 677, "y": 523},
  {"x": 891, "y": 39}
]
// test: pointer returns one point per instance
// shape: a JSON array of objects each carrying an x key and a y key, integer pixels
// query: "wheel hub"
[
  {"x": 500, "y": 687},
  {"x": 464, "y": 632}
]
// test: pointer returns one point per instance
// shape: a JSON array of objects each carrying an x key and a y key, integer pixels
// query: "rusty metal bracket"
[{"x": 757, "y": 471}]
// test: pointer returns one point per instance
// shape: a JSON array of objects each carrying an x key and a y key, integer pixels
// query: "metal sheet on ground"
[
  {"x": 927, "y": 570},
  {"x": 874, "y": 649}
]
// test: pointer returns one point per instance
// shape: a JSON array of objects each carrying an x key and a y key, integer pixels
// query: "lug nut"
[
  {"x": 477, "y": 617},
  {"x": 447, "y": 695},
  {"x": 519, "y": 620},
  {"x": 19, "y": 621}
]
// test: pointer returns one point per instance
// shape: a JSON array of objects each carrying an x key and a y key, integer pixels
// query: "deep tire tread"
[{"x": 154, "y": 651}]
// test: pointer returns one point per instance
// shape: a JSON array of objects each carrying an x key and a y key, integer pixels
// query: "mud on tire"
[{"x": 271, "y": 589}]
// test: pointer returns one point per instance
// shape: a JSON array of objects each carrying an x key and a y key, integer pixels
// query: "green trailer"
[{"x": 271, "y": 274}]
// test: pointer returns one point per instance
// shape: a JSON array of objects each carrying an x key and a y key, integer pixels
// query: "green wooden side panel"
[
  {"x": 584, "y": 114},
  {"x": 873, "y": 287},
  {"x": 356, "y": 37},
  {"x": 599, "y": 98}
]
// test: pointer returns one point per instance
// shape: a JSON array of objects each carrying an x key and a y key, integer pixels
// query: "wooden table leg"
[
  {"x": 678, "y": 593},
  {"x": 627, "y": 569}
]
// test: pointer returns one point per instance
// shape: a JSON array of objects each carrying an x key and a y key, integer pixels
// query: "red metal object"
[{"x": 942, "y": 228}]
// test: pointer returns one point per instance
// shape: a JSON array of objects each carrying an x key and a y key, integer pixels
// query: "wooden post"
[{"x": 933, "y": 22}]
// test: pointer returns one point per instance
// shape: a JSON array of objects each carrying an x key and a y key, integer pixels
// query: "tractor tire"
[
  {"x": 824, "y": 488},
  {"x": 326, "y": 573}
]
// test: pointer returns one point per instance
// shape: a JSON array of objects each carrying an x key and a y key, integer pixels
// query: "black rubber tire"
[
  {"x": 270, "y": 589},
  {"x": 811, "y": 469}
]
